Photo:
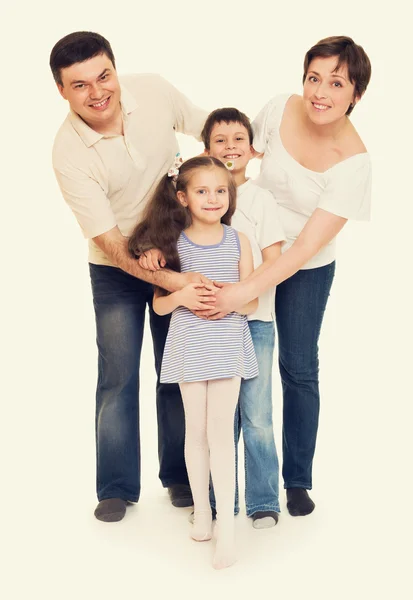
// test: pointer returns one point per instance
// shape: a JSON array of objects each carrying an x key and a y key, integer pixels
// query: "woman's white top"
[{"x": 344, "y": 189}]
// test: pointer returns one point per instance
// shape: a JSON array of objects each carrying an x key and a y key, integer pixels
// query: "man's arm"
[
  {"x": 189, "y": 118},
  {"x": 115, "y": 246}
]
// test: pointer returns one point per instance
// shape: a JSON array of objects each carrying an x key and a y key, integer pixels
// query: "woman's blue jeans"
[
  {"x": 120, "y": 302},
  {"x": 299, "y": 307}
]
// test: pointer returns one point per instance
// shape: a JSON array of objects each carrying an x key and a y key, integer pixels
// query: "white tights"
[{"x": 209, "y": 445}]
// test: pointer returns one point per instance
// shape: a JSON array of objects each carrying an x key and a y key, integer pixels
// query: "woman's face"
[{"x": 327, "y": 93}]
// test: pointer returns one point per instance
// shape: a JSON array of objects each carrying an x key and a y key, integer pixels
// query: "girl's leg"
[
  {"x": 194, "y": 397},
  {"x": 222, "y": 398}
]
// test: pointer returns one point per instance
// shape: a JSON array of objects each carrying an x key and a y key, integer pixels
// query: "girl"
[{"x": 188, "y": 220}]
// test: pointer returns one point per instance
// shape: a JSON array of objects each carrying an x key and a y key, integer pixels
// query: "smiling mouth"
[
  {"x": 320, "y": 106},
  {"x": 100, "y": 105},
  {"x": 213, "y": 209},
  {"x": 231, "y": 156}
]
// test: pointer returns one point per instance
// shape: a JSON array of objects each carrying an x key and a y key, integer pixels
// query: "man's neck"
[{"x": 112, "y": 127}]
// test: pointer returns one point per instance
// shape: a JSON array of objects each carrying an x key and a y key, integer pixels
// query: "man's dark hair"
[
  {"x": 78, "y": 47},
  {"x": 348, "y": 54},
  {"x": 226, "y": 115}
]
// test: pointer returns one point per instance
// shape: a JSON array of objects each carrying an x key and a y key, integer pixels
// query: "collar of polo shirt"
[{"x": 88, "y": 135}]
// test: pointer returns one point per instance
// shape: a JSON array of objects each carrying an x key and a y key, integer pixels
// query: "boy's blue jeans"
[
  {"x": 254, "y": 417},
  {"x": 120, "y": 302}
]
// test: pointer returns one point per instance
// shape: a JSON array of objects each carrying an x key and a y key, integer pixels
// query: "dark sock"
[
  {"x": 299, "y": 502},
  {"x": 264, "y": 519}
]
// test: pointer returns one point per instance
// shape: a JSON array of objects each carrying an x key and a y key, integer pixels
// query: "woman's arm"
[
  {"x": 319, "y": 230},
  {"x": 246, "y": 267}
]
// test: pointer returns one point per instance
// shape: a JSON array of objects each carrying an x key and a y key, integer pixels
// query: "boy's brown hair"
[{"x": 226, "y": 115}]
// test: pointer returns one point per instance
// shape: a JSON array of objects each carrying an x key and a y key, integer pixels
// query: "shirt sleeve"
[
  {"x": 263, "y": 125},
  {"x": 348, "y": 189},
  {"x": 189, "y": 119},
  {"x": 268, "y": 227},
  {"x": 86, "y": 198}
]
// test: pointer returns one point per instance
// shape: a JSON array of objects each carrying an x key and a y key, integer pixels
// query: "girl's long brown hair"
[{"x": 164, "y": 217}]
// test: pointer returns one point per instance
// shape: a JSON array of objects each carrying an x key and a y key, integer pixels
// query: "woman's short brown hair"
[{"x": 349, "y": 54}]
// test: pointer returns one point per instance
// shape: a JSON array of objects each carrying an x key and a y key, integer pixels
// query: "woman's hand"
[
  {"x": 229, "y": 298},
  {"x": 152, "y": 260}
]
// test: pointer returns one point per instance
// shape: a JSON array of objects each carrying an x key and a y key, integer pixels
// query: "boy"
[{"x": 228, "y": 136}]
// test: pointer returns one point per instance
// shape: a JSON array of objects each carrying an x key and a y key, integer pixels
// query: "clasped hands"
[{"x": 198, "y": 293}]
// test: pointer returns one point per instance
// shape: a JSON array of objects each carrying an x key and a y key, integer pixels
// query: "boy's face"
[{"x": 229, "y": 142}]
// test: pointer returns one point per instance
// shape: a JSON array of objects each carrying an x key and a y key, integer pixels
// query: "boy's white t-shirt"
[{"x": 257, "y": 217}]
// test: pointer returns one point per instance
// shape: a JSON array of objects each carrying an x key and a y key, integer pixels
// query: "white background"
[{"x": 219, "y": 54}]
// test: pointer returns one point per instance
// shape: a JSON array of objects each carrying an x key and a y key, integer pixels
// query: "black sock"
[{"x": 299, "y": 502}]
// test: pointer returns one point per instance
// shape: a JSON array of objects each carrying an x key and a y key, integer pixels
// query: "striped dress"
[{"x": 200, "y": 350}]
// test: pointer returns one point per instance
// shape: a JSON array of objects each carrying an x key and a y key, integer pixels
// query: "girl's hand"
[
  {"x": 196, "y": 296},
  {"x": 152, "y": 260},
  {"x": 230, "y": 298}
]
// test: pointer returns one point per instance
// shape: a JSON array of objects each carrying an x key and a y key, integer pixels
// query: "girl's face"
[
  {"x": 327, "y": 93},
  {"x": 206, "y": 196}
]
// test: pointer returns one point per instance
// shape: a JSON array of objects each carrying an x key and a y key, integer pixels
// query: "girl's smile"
[{"x": 206, "y": 197}]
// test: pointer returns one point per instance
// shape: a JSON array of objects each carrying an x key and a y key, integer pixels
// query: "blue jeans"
[
  {"x": 254, "y": 416},
  {"x": 255, "y": 420},
  {"x": 120, "y": 302},
  {"x": 300, "y": 304}
]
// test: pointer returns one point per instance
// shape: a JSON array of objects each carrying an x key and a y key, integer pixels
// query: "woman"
[{"x": 318, "y": 169}]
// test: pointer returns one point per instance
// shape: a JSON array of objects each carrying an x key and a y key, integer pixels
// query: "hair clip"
[
  {"x": 230, "y": 164},
  {"x": 174, "y": 171}
]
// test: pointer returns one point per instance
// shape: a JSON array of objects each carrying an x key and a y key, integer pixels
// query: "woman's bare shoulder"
[{"x": 352, "y": 142}]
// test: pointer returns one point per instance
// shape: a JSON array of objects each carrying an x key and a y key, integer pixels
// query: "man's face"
[
  {"x": 92, "y": 90},
  {"x": 229, "y": 143}
]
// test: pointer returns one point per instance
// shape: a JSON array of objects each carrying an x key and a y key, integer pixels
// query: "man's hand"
[
  {"x": 194, "y": 277},
  {"x": 152, "y": 260}
]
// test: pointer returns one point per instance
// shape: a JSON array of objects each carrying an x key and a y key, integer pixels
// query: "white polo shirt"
[
  {"x": 257, "y": 217},
  {"x": 344, "y": 189},
  {"x": 107, "y": 179}
]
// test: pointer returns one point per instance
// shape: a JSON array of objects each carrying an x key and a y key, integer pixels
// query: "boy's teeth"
[{"x": 321, "y": 106}]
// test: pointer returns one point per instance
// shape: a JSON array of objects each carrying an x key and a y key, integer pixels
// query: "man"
[{"x": 110, "y": 152}]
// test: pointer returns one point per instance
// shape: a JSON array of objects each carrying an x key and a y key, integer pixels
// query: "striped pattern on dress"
[{"x": 200, "y": 350}]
